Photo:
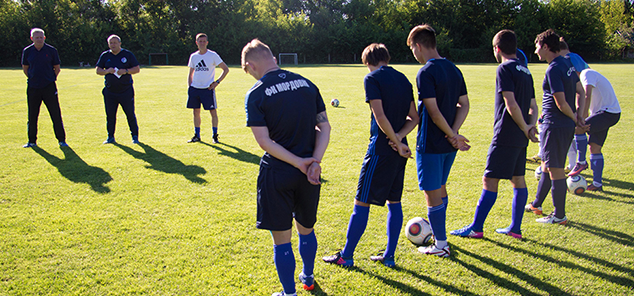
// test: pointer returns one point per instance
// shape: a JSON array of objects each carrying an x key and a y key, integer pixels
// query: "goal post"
[{"x": 287, "y": 58}]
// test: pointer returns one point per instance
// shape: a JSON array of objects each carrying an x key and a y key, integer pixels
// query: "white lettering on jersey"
[
  {"x": 523, "y": 69},
  {"x": 286, "y": 86}
]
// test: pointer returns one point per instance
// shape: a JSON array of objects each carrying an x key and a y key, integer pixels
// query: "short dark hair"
[
  {"x": 375, "y": 53},
  {"x": 422, "y": 34},
  {"x": 550, "y": 39},
  {"x": 506, "y": 41},
  {"x": 201, "y": 35}
]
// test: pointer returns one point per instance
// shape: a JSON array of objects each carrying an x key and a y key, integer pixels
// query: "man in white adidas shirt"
[{"x": 202, "y": 67}]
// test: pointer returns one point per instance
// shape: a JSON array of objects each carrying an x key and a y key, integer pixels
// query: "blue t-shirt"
[
  {"x": 521, "y": 57},
  {"x": 577, "y": 62},
  {"x": 396, "y": 95},
  {"x": 560, "y": 77},
  {"x": 440, "y": 79},
  {"x": 514, "y": 77},
  {"x": 125, "y": 59},
  {"x": 287, "y": 104},
  {"x": 40, "y": 62}
]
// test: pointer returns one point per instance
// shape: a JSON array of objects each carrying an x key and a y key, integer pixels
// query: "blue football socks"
[
  {"x": 356, "y": 227},
  {"x": 394, "y": 224},
  {"x": 197, "y": 131},
  {"x": 285, "y": 264},
  {"x": 486, "y": 202},
  {"x": 520, "y": 196},
  {"x": 582, "y": 147},
  {"x": 437, "y": 217},
  {"x": 597, "y": 162},
  {"x": 215, "y": 130},
  {"x": 308, "y": 250},
  {"x": 543, "y": 187},
  {"x": 559, "y": 197}
]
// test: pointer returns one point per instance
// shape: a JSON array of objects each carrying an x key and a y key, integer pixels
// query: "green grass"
[{"x": 171, "y": 218}]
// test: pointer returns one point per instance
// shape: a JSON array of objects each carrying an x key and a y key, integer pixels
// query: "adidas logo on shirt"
[{"x": 201, "y": 66}]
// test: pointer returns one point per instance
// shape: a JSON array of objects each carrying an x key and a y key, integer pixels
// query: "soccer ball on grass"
[
  {"x": 418, "y": 231},
  {"x": 577, "y": 184},
  {"x": 334, "y": 103}
]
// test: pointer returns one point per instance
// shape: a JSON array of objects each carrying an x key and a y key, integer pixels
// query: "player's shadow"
[
  {"x": 421, "y": 276},
  {"x": 162, "y": 162},
  {"x": 506, "y": 269},
  {"x": 235, "y": 153},
  {"x": 615, "y": 236},
  {"x": 76, "y": 170},
  {"x": 403, "y": 288},
  {"x": 619, "y": 280}
]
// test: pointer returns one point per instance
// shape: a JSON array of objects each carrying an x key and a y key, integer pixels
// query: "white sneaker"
[
  {"x": 433, "y": 250},
  {"x": 551, "y": 219}
]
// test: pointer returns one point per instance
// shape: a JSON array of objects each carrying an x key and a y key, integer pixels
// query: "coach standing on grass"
[
  {"x": 118, "y": 65},
  {"x": 287, "y": 116},
  {"x": 41, "y": 65}
]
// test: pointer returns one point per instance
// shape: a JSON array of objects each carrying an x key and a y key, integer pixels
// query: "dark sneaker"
[
  {"x": 109, "y": 141},
  {"x": 194, "y": 139},
  {"x": 216, "y": 139},
  {"x": 308, "y": 282},
  {"x": 579, "y": 167},
  {"x": 467, "y": 231},
  {"x": 135, "y": 140},
  {"x": 591, "y": 187},
  {"x": 508, "y": 231},
  {"x": 339, "y": 260},
  {"x": 389, "y": 262},
  {"x": 63, "y": 144},
  {"x": 29, "y": 145}
]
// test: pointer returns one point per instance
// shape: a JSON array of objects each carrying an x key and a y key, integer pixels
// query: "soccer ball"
[
  {"x": 418, "y": 231},
  {"x": 538, "y": 172},
  {"x": 577, "y": 184},
  {"x": 334, "y": 103}
]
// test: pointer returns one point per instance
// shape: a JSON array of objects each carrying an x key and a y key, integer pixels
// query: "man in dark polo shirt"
[
  {"x": 40, "y": 63},
  {"x": 118, "y": 65}
]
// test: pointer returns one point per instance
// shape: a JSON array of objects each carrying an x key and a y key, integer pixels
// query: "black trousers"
[
  {"x": 126, "y": 100},
  {"x": 48, "y": 95}
]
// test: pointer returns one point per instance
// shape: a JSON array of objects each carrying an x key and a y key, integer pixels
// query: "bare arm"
[
  {"x": 25, "y": 69},
  {"x": 225, "y": 71},
  {"x": 322, "y": 138},
  {"x": 103, "y": 71},
  {"x": 516, "y": 112},
  {"x": 261, "y": 134},
  {"x": 411, "y": 123},
  {"x": 190, "y": 76},
  {"x": 560, "y": 101},
  {"x": 461, "y": 113},
  {"x": 456, "y": 140},
  {"x": 589, "y": 89},
  {"x": 581, "y": 104}
]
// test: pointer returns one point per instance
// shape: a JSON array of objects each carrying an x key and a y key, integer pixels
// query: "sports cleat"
[
  {"x": 530, "y": 208},
  {"x": 339, "y": 260},
  {"x": 109, "y": 141},
  {"x": 591, "y": 187},
  {"x": 63, "y": 144},
  {"x": 389, "y": 261},
  {"x": 508, "y": 231},
  {"x": 307, "y": 281},
  {"x": 534, "y": 159},
  {"x": 194, "y": 139},
  {"x": 29, "y": 145},
  {"x": 433, "y": 250},
  {"x": 215, "y": 137},
  {"x": 467, "y": 231},
  {"x": 551, "y": 219},
  {"x": 135, "y": 140},
  {"x": 283, "y": 294},
  {"x": 579, "y": 167}
]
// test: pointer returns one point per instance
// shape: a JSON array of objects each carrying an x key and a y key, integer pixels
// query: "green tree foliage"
[{"x": 320, "y": 31}]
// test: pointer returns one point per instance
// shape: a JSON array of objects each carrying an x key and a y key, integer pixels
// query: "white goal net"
[{"x": 287, "y": 58}]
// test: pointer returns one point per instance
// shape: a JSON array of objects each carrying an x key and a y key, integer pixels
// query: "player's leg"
[
  {"x": 559, "y": 140},
  {"x": 306, "y": 203},
  {"x": 284, "y": 260},
  {"x": 34, "y": 102},
  {"x": 598, "y": 133},
  {"x": 395, "y": 212},
  {"x": 51, "y": 101},
  {"x": 520, "y": 196},
  {"x": 597, "y": 162},
  {"x": 112, "y": 104},
  {"x": 127, "y": 104},
  {"x": 307, "y": 250},
  {"x": 214, "y": 115},
  {"x": 581, "y": 145},
  {"x": 197, "y": 123}
]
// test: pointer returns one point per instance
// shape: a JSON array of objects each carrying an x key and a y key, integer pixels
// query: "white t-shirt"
[
  {"x": 603, "y": 96},
  {"x": 204, "y": 66}
]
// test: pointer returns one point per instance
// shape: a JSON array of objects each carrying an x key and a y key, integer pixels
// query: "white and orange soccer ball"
[
  {"x": 334, "y": 103},
  {"x": 418, "y": 231},
  {"x": 577, "y": 184}
]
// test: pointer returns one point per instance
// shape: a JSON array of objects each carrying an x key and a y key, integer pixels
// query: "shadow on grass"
[
  {"x": 623, "y": 281},
  {"x": 395, "y": 284},
  {"x": 507, "y": 269},
  {"x": 76, "y": 170},
  {"x": 615, "y": 236},
  {"x": 239, "y": 154},
  {"x": 162, "y": 162}
]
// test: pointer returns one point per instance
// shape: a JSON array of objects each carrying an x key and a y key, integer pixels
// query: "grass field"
[{"x": 171, "y": 218}]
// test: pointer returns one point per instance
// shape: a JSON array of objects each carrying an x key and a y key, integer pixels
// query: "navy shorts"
[
  {"x": 600, "y": 123},
  {"x": 554, "y": 144},
  {"x": 381, "y": 179},
  {"x": 284, "y": 193},
  {"x": 504, "y": 162},
  {"x": 201, "y": 96},
  {"x": 433, "y": 169}
]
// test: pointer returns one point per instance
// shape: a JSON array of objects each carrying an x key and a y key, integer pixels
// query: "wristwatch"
[{"x": 218, "y": 81}]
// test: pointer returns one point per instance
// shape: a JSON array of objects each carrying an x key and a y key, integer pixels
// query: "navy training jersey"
[
  {"x": 125, "y": 59},
  {"x": 396, "y": 95},
  {"x": 40, "y": 62},
  {"x": 287, "y": 104},
  {"x": 514, "y": 77},
  {"x": 440, "y": 79},
  {"x": 560, "y": 77}
]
